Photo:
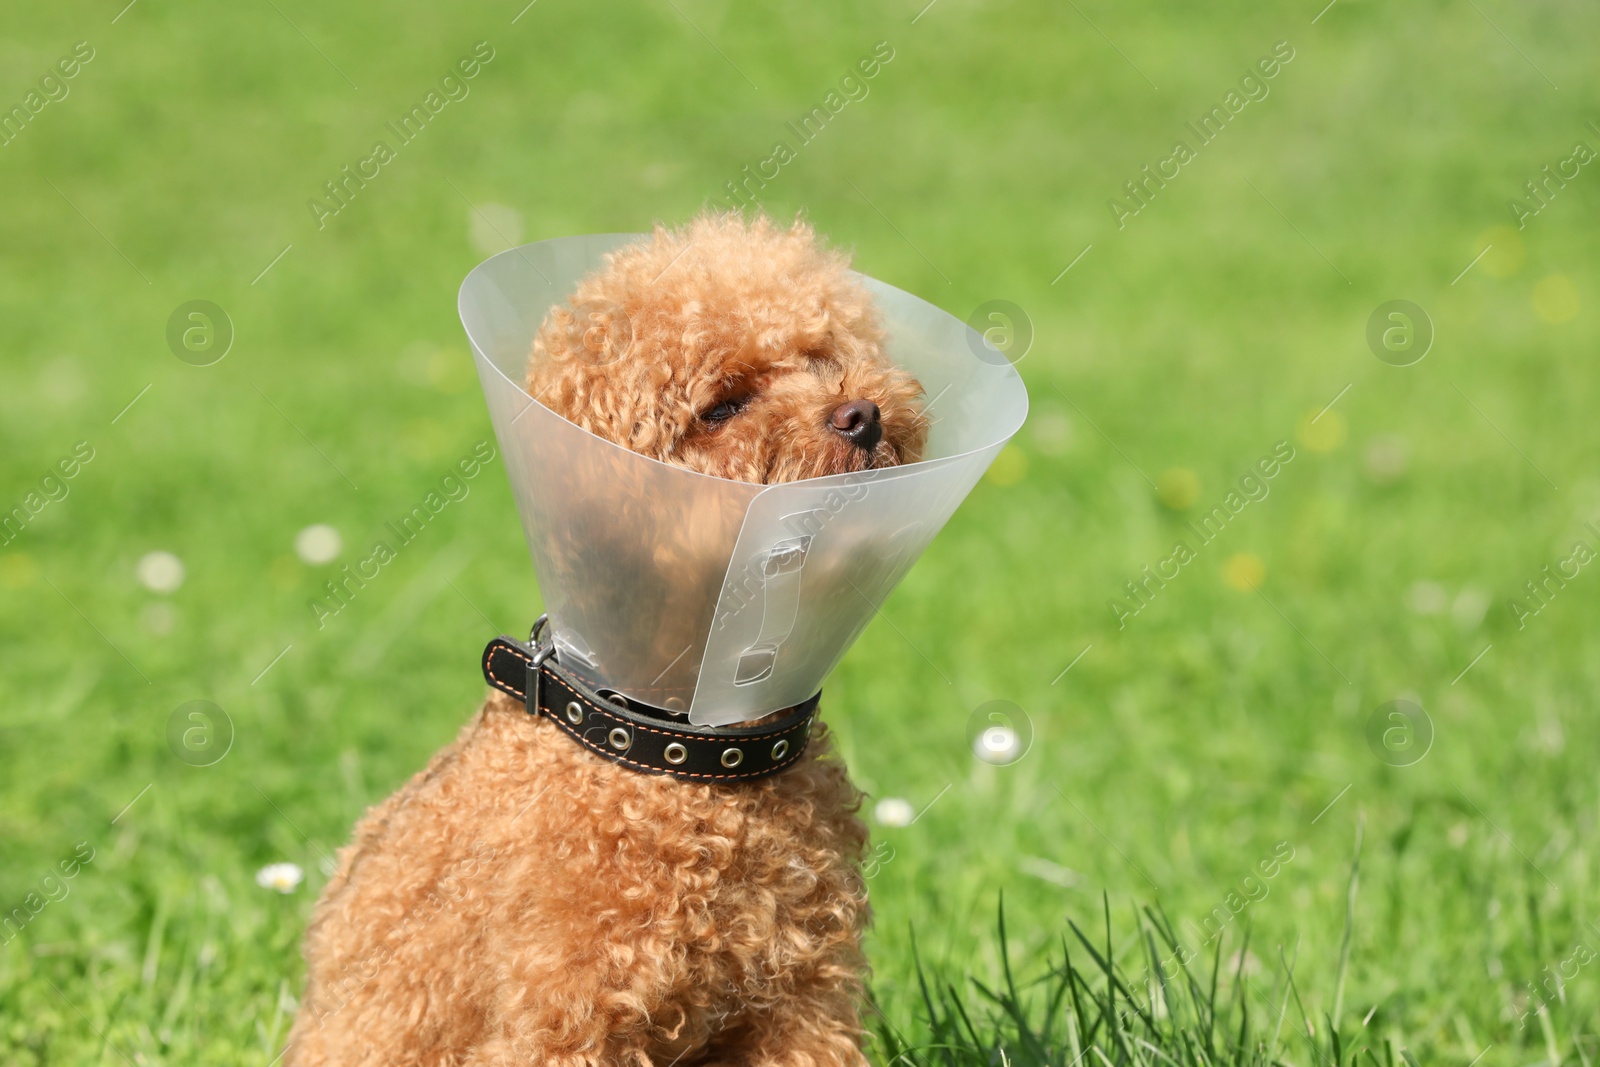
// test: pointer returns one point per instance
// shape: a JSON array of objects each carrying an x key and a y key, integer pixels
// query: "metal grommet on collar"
[{"x": 535, "y": 676}]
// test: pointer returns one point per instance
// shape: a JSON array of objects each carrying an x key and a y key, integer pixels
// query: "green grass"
[
  {"x": 1087, "y": 1006},
  {"x": 1219, "y": 728}
]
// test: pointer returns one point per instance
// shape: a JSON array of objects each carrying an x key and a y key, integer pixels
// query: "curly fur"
[
  {"x": 723, "y": 311},
  {"x": 523, "y": 901}
]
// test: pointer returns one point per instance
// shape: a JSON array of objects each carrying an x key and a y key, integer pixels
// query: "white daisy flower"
[
  {"x": 999, "y": 745},
  {"x": 1469, "y": 607},
  {"x": 318, "y": 544},
  {"x": 894, "y": 811},
  {"x": 160, "y": 572},
  {"x": 284, "y": 877},
  {"x": 1427, "y": 598}
]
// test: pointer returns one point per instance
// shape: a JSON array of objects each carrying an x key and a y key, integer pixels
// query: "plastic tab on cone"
[{"x": 725, "y": 599}]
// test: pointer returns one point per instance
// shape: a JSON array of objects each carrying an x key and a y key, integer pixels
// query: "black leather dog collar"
[{"x": 651, "y": 743}]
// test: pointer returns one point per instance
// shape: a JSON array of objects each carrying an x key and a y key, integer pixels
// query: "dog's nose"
[{"x": 859, "y": 423}]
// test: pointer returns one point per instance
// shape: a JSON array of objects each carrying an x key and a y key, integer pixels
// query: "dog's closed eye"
[
  {"x": 722, "y": 411},
  {"x": 824, "y": 366}
]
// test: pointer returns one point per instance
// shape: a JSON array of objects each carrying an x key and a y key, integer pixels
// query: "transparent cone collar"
[{"x": 724, "y": 599}]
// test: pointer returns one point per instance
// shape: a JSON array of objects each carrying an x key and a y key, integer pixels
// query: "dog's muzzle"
[{"x": 642, "y": 738}]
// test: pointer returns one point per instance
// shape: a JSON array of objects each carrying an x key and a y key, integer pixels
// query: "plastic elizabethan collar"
[{"x": 687, "y": 591}]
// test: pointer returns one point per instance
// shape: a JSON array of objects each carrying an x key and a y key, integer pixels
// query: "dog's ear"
[
  {"x": 588, "y": 367},
  {"x": 589, "y": 333}
]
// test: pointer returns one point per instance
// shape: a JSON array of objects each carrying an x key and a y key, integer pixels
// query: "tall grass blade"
[{"x": 1349, "y": 921}]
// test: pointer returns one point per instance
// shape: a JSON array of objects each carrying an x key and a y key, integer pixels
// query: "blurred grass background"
[{"x": 1171, "y": 759}]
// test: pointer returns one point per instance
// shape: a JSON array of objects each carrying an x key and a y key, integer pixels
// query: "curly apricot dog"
[{"x": 525, "y": 901}]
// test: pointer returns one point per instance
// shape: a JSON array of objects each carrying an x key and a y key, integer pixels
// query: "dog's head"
[{"x": 735, "y": 349}]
